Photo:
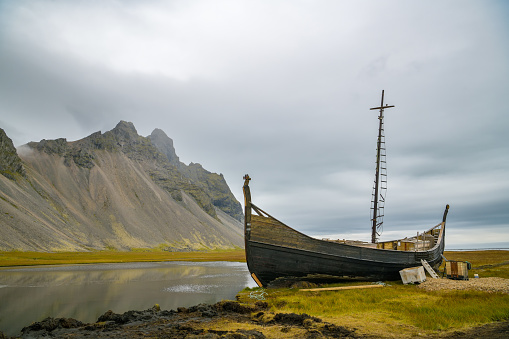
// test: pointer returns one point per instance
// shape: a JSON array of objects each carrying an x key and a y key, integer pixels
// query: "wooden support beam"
[
  {"x": 255, "y": 278},
  {"x": 339, "y": 288}
]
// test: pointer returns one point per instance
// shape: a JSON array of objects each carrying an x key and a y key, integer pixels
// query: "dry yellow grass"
[
  {"x": 478, "y": 258},
  {"x": 396, "y": 311},
  {"x": 9, "y": 259},
  {"x": 402, "y": 311},
  {"x": 493, "y": 263},
  {"x": 269, "y": 330}
]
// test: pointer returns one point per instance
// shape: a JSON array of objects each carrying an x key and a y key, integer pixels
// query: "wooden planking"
[
  {"x": 456, "y": 270},
  {"x": 270, "y": 231},
  {"x": 299, "y": 263},
  {"x": 275, "y": 250},
  {"x": 428, "y": 268},
  {"x": 339, "y": 288}
]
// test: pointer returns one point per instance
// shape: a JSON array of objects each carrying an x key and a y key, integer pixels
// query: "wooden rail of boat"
[{"x": 267, "y": 229}]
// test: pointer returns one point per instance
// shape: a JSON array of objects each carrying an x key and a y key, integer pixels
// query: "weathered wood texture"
[
  {"x": 456, "y": 270},
  {"x": 275, "y": 250},
  {"x": 338, "y": 288}
]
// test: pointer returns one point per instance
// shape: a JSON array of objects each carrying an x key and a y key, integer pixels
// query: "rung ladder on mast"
[{"x": 380, "y": 183}]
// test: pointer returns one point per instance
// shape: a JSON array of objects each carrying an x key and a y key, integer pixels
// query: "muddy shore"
[
  {"x": 200, "y": 321},
  {"x": 225, "y": 319}
]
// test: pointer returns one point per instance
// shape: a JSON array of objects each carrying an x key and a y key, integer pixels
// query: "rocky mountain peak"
[
  {"x": 165, "y": 145},
  {"x": 112, "y": 190},
  {"x": 125, "y": 131},
  {"x": 10, "y": 163},
  {"x": 156, "y": 151}
]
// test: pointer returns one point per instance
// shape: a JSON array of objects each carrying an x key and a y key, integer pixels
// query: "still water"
[{"x": 85, "y": 292}]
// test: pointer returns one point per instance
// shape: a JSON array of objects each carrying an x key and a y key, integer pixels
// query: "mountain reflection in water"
[{"x": 85, "y": 292}]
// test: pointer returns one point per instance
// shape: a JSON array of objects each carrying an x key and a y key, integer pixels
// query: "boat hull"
[
  {"x": 269, "y": 262},
  {"x": 274, "y": 250}
]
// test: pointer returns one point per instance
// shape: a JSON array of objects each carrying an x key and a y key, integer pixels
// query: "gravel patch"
[{"x": 491, "y": 285}]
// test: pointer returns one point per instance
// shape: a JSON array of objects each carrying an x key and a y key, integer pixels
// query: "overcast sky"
[{"x": 282, "y": 90}]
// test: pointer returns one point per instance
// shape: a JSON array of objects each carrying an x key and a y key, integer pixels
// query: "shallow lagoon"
[{"x": 85, "y": 292}]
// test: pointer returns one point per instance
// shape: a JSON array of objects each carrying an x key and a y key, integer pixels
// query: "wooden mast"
[{"x": 377, "y": 173}]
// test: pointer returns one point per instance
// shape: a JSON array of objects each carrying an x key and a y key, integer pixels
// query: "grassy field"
[
  {"x": 485, "y": 263},
  {"x": 394, "y": 311},
  {"x": 399, "y": 310},
  {"x": 9, "y": 259}
]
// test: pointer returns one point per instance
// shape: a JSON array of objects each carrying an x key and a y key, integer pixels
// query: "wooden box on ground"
[
  {"x": 413, "y": 275},
  {"x": 457, "y": 270}
]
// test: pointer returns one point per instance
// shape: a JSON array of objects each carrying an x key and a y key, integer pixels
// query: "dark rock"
[
  {"x": 110, "y": 316},
  {"x": 165, "y": 145},
  {"x": 182, "y": 310},
  {"x": 10, "y": 163},
  {"x": 51, "y": 324},
  {"x": 245, "y": 334},
  {"x": 204, "y": 309},
  {"x": 314, "y": 334},
  {"x": 215, "y": 187},
  {"x": 308, "y": 281},
  {"x": 102, "y": 326},
  {"x": 81, "y": 157},
  {"x": 57, "y": 146},
  {"x": 335, "y": 331},
  {"x": 125, "y": 131},
  {"x": 132, "y": 316},
  {"x": 294, "y": 319},
  {"x": 203, "y": 335}
]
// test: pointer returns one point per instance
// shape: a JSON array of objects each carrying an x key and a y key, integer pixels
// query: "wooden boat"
[{"x": 275, "y": 250}]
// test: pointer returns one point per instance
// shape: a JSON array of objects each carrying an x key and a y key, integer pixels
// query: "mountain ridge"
[{"x": 114, "y": 190}]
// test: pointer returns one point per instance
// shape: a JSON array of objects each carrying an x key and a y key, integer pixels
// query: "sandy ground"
[{"x": 491, "y": 285}]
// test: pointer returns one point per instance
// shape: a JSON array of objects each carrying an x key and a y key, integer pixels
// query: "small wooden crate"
[{"x": 457, "y": 270}]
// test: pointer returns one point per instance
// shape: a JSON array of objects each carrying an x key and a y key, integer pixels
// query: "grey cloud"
[{"x": 282, "y": 91}]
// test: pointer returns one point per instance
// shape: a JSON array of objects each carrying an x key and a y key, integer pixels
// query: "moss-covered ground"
[{"x": 399, "y": 310}]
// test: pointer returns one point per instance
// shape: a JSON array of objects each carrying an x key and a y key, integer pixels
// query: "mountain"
[
  {"x": 10, "y": 163},
  {"x": 112, "y": 190}
]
